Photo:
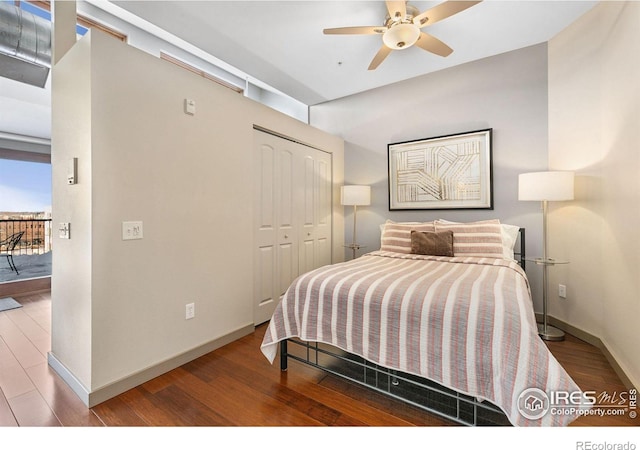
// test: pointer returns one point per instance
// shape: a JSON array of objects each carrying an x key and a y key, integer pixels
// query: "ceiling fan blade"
[
  {"x": 380, "y": 56},
  {"x": 397, "y": 9},
  {"x": 433, "y": 45},
  {"x": 441, "y": 11},
  {"x": 355, "y": 30}
]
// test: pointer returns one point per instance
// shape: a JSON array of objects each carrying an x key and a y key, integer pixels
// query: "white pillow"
[{"x": 509, "y": 237}]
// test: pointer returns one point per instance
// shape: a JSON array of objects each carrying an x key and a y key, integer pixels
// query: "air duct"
[{"x": 25, "y": 46}]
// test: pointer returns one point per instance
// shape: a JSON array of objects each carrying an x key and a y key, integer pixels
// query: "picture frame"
[{"x": 444, "y": 172}]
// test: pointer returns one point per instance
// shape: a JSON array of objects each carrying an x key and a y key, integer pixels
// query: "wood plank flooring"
[{"x": 233, "y": 386}]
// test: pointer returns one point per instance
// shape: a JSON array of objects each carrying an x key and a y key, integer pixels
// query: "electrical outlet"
[
  {"x": 562, "y": 291},
  {"x": 190, "y": 311},
  {"x": 131, "y": 230}
]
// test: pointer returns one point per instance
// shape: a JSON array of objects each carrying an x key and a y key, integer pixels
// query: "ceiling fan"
[{"x": 402, "y": 28}]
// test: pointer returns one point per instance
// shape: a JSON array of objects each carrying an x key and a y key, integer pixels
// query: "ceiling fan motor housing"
[
  {"x": 401, "y": 32},
  {"x": 401, "y": 36}
]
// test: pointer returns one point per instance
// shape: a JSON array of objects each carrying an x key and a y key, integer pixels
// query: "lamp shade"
[
  {"x": 355, "y": 195},
  {"x": 541, "y": 186}
]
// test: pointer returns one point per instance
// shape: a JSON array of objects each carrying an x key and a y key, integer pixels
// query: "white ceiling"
[{"x": 281, "y": 43}]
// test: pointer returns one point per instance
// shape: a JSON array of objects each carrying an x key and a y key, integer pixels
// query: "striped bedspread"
[{"x": 466, "y": 323}]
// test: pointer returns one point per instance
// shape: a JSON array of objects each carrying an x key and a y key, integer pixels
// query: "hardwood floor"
[{"x": 233, "y": 386}]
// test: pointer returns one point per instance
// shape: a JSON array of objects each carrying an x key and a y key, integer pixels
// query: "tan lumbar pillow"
[{"x": 439, "y": 243}]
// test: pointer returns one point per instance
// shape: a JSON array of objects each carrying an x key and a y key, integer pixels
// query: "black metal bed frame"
[{"x": 413, "y": 390}]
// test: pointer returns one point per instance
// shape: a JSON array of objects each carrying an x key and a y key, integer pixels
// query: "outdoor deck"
[
  {"x": 29, "y": 266},
  {"x": 32, "y": 255}
]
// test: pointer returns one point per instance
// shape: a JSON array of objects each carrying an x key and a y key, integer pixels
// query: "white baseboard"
[
  {"x": 90, "y": 399},
  {"x": 68, "y": 378}
]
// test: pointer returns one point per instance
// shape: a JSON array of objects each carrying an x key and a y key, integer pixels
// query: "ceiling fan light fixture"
[{"x": 401, "y": 36}]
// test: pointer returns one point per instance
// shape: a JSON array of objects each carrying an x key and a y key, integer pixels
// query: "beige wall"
[
  {"x": 576, "y": 95},
  {"x": 119, "y": 306},
  {"x": 71, "y": 137},
  {"x": 507, "y": 93},
  {"x": 594, "y": 129}
]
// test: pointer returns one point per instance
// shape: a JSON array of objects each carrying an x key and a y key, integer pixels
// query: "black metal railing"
[{"x": 36, "y": 238}]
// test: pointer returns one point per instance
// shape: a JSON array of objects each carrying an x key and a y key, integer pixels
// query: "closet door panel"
[
  {"x": 284, "y": 181},
  {"x": 265, "y": 265},
  {"x": 307, "y": 255},
  {"x": 315, "y": 240},
  {"x": 265, "y": 192},
  {"x": 308, "y": 185},
  {"x": 323, "y": 209},
  {"x": 288, "y": 267},
  {"x": 287, "y": 261},
  {"x": 266, "y": 275}
]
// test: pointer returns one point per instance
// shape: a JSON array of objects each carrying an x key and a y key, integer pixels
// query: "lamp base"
[{"x": 550, "y": 333}]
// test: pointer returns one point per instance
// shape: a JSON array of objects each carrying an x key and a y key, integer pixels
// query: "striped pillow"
[
  {"x": 481, "y": 239},
  {"x": 396, "y": 236}
]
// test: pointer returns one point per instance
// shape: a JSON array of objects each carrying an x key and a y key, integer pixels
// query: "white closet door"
[
  {"x": 276, "y": 259},
  {"x": 293, "y": 216},
  {"x": 287, "y": 235},
  {"x": 324, "y": 210},
  {"x": 265, "y": 231},
  {"x": 315, "y": 211}
]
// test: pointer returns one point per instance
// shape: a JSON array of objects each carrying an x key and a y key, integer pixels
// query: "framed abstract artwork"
[{"x": 444, "y": 172}]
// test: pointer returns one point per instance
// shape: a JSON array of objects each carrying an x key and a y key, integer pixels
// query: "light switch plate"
[
  {"x": 64, "y": 230},
  {"x": 131, "y": 230}
]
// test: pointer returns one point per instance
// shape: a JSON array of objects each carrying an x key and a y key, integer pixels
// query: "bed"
[{"x": 440, "y": 317}]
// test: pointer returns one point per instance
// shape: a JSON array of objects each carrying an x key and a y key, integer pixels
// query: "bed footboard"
[{"x": 419, "y": 392}]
